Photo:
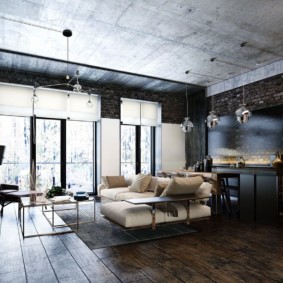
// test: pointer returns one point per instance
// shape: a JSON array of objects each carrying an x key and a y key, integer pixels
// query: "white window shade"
[
  {"x": 79, "y": 109},
  {"x": 16, "y": 100},
  {"x": 135, "y": 112},
  {"x": 51, "y": 104},
  {"x": 130, "y": 112},
  {"x": 149, "y": 114}
]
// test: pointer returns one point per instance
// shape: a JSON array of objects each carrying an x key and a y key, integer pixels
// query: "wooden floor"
[{"x": 223, "y": 250}]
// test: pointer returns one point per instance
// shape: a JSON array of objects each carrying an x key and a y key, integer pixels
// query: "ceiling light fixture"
[
  {"x": 73, "y": 82},
  {"x": 76, "y": 86},
  {"x": 89, "y": 103},
  {"x": 243, "y": 113},
  {"x": 187, "y": 125},
  {"x": 212, "y": 119}
]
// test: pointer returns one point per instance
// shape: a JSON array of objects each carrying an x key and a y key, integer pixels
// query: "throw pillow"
[
  {"x": 182, "y": 186},
  {"x": 160, "y": 187},
  {"x": 140, "y": 183},
  {"x": 204, "y": 189},
  {"x": 104, "y": 182},
  {"x": 155, "y": 180},
  {"x": 116, "y": 181}
]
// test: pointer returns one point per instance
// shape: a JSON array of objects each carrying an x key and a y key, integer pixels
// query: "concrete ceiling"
[{"x": 156, "y": 39}]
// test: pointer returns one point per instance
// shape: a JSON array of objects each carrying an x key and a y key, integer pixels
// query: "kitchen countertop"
[{"x": 247, "y": 170}]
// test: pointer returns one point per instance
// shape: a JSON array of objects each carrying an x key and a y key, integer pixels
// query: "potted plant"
[{"x": 55, "y": 191}]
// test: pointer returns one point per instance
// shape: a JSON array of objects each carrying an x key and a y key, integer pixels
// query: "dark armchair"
[{"x": 5, "y": 198}]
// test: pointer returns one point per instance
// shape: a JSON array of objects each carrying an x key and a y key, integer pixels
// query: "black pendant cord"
[
  {"x": 242, "y": 72},
  {"x": 212, "y": 72},
  {"x": 33, "y": 115},
  {"x": 187, "y": 73}
]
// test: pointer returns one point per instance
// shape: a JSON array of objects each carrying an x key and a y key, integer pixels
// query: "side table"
[{"x": 47, "y": 205}]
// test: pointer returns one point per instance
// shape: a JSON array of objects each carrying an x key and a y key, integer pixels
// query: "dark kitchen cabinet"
[{"x": 259, "y": 198}]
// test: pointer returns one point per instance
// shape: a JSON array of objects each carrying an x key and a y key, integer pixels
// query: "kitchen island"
[{"x": 261, "y": 193}]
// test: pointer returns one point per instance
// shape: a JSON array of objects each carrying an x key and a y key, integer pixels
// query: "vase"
[
  {"x": 240, "y": 163},
  {"x": 208, "y": 161},
  {"x": 277, "y": 163},
  {"x": 32, "y": 196}
]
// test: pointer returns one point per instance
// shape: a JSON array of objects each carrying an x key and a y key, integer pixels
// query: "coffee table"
[
  {"x": 167, "y": 199},
  {"x": 48, "y": 205}
]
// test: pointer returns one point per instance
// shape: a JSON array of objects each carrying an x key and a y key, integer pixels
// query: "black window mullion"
[
  {"x": 32, "y": 143},
  {"x": 138, "y": 149},
  {"x": 152, "y": 165},
  {"x": 95, "y": 146},
  {"x": 63, "y": 153}
]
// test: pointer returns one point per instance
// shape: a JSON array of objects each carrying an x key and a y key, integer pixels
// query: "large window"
[
  {"x": 64, "y": 154},
  {"x": 136, "y": 149},
  {"x": 80, "y": 155},
  {"x": 146, "y": 147},
  {"x": 55, "y": 135},
  {"x": 15, "y": 135},
  {"x": 48, "y": 152},
  {"x": 128, "y": 150},
  {"x": 138, "y": 122}
]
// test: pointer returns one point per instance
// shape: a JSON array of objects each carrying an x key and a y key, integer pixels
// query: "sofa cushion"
[
  {"x": 128, "y": 195},
  {"x": 196, "y": 211},
  {"x": 112, "y": 193},
  {"x": 160, "y": 187},
  {"x": 182, "y": 186},
  {"x": 130, "y": 215},
  {"x": 115, "y": 182},
  {"x": 156, "y": 180},
  {"x": 204, "y": 188},
  {"x": 140, "y": 183}
]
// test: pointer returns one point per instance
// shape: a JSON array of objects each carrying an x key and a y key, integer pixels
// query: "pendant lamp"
[
  {"x": 187, "y": 125},
  {"x": 212, "y": 119},
  {"x": 243, "y": 113}
]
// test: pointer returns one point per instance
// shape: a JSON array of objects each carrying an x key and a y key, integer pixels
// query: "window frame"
[
  {"x": 138, "y": 148},
  {"x": 63, "y": 150}
]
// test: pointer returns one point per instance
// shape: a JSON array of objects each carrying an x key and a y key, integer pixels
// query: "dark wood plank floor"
[{"x": 223, "y": 250}]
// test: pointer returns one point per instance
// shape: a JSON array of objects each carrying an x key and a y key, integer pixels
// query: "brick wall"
[
  {"x": 261, "y": 137},
  {"x": 258, "y": 95},
  {"x": 173, "y": 105}
]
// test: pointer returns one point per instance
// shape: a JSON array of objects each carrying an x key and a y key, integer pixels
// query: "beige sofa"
[
  {"x": 120, "y": 193},
  {"x": 130, "y": 215}
]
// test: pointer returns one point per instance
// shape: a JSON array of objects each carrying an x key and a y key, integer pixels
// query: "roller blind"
[
  {"x": 16, "y": 100},
  {"x": 137, "y": 112}
]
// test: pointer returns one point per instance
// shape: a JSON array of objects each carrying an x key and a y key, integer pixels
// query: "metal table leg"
[
  {"x": 188, "y": 211},
  {"x": 153, "y": 212}
]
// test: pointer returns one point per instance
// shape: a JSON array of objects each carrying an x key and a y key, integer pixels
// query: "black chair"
[
  {"x": 5, "y": 198},
  {"x": 230, "y": 187}
]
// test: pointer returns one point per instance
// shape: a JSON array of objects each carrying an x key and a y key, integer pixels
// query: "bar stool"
[{"x": 227, "y": 187}]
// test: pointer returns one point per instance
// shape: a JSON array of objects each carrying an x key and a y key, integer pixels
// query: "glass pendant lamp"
[
  {"x": 212, "y": 119},
  {"x": 243, "y": 113},
  {"x": 187, "y": 125}
]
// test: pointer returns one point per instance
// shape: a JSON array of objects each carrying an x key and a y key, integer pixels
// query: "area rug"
[{"x": 102, "y": 233}]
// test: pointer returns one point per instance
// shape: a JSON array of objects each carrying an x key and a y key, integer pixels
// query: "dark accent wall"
[
  {"x": 195, "y": 140},
  {"x": 261, "y": 136}
]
